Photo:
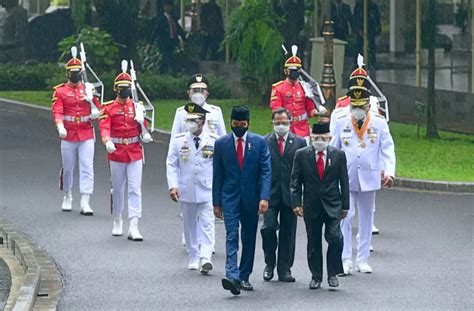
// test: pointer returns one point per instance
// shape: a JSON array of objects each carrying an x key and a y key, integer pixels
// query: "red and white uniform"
[
  {"x": 71, "y": 109},
  {"x": 117, "y": 123},
  {"x": 292, "y": 97}
]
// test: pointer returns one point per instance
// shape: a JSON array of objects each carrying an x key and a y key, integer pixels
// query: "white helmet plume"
[
  {"x": 294, "y": 50},
  {"x": 74, "y": 51},
  {"x": 124, "y": 65}
]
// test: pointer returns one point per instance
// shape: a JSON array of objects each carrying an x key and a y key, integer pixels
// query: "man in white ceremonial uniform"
[
  {"x": 365, "y": 138},
  {"x": 198, "y": 93},
  {"x": 189, "y": 173}
]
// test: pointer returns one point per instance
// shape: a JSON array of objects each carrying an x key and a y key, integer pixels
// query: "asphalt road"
[{"x": 423, "y": 257}]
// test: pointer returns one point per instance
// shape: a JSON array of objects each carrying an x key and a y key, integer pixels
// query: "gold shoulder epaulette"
[
  {"x": 107, "y": 103},
  {"x": 380, "y": 116},
  {"x": 343, "y": 97},
  {"x": 215, "y": 107},
  {"x": 180, "y": 108},
  {"x": 343, "y": 116},
  {"x": 57, "y": 86},
  {"x": 277, "y": 83}
]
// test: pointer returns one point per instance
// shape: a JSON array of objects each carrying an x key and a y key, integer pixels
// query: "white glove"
[
  {"x": 89, "y": 91},
  {"x": 109, "y": 145},
  {"x": 322, "y": 110},
  {"x": 62, "y": 131},
  {"x": 146, "y": 138},
  {"x": 139, "y": 114},
  {"x": 94, "y": 113}
]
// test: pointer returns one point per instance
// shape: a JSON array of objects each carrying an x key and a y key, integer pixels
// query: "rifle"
[
  {"x": 90, "y": 88},
  {"x": 311, "y": 88},
  {"x": 146, "y": 110}
]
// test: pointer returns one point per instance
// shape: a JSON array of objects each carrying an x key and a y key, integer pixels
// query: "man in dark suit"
[
  {"x": 166, "y": 35},
  {"x": 342, "y": 17},
  {"x": 282, "y": 145},
  {"x": 240, "y": 191},
  {"x": 322, "y": 171}
]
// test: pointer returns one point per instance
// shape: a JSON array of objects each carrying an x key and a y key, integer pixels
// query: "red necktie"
[
  {"x": 240, "y": 152},
  {"x": 280, "y": 145},
  {"x": 320, "y": 164}
]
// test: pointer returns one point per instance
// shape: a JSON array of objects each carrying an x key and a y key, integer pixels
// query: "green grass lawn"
[{"x": 450, "y": 158}]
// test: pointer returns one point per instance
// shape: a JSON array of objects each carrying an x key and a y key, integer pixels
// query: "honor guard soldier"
[
  {"x": 189, "y": 173},
  {"x": 198, "y": 93},
  {"x": 290, "y": 94},
  {"x": 121, "y": 134},
  {"x": 366, "y": 140},
  {"x": 72, "y": 115}
]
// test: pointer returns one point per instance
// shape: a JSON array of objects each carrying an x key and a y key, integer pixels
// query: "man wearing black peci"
[
  {"x": 282, "y": 145},
  {"x": 322, "y": 171}
]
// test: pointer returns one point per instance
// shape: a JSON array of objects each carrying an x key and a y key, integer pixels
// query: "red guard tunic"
[
  {"x": 71, "y": 109},
  {"x": 117, "y": 122},
  {"x": 292, "y": 97}
]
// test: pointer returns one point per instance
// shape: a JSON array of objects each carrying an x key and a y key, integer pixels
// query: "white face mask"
[
  {"x": 192, "y": 126},
  {"x": 198, "y": 98},
  {"x": 320, "y": 145},
  {"x": 281, "y": 129},
  {"x": 358, "y": 114}
]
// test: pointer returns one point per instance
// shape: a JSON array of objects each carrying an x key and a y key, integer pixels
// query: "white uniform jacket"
[{"x": 214, "y": 121}]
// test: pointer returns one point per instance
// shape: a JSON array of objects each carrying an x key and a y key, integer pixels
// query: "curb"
[
  {"x": 42, "y": 284},
  {"x": 399, "y": 182}
]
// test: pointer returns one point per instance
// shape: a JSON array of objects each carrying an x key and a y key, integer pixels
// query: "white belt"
[
  {"x": 299, "y": 118},
  {"x": 124, "y": 141},
  {"x": 77, "y": 119}
]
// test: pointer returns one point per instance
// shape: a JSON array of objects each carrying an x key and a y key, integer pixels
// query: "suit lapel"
[
  {"x": 312, "y": 163},
  {"x": 274, "y": 143},
  {"x": 327, "y": 165},
  {"x": 247, "y": 149},
  {"x": 288, "y": 144}
]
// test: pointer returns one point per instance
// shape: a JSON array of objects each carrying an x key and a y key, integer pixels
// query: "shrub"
[{"x": 27, "y": 77}]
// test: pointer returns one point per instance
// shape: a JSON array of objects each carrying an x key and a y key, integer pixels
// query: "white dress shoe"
[
  {"x": 133, "y": 233},
  {"x": 363, "y": 267},
  {"x": 375, "y": 230},
  {"x": 206, "y": 266},
  {"x": 118, "y": 226},
  {"x": 67, "y": 202},
  {"x": 193, "y": 264},
  {"x": 86, "y": 209},
  {"x": 347, "y": 266}
]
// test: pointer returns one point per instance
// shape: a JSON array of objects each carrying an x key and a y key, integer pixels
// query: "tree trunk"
[{"x": 432, "y": 128}]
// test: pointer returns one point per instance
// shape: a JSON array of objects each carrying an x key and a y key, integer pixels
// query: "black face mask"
[
  {"x": 75, "y": 77},
  {"x": 239, "y": 131},
  {"x": 293, "y": 75},
  {"x": 125, "y": 93}
]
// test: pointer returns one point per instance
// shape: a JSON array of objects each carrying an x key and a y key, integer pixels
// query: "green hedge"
[
  {"x": 40, "y": 77},
  {"x": 28, "y": 77}
]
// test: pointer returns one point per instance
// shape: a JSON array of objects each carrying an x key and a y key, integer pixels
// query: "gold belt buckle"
[
  {"x": 77, "y": 119},
  {"x": 125, "y": 141}
]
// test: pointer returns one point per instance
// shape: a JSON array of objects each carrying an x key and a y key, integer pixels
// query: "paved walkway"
[{"x": 422, "y": 260}]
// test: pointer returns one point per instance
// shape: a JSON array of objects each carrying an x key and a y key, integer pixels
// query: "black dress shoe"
[
  {"x": 333, "y": 281},
  {"x": 268, "y": 273},
  {"x": 286, "y": 277},
  {"x": 314, "y": 284},
  {"x": 232, "y": 285},
  {"x": 245, "y": 285}
]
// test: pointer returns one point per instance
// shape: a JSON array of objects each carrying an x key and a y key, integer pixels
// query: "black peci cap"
[{"x": 240, "y": 113}]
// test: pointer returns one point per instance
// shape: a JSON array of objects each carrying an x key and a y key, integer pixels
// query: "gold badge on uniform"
[
  {"x": 346, "y": 142},
  {"x": 361, "y": 144},
  {"x": 208, "y": 151},
  {"x": 185, "y": 151}
]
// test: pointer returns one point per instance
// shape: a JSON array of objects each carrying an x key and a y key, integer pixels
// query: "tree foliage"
[{"x": 255, "y": 42}]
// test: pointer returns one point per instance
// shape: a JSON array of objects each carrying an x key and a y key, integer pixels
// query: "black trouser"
[
  {"x": 285, "y": 241},
  {"x": 333, "y": 236}
]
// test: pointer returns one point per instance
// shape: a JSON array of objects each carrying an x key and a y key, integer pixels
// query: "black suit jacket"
[
  {"x": 331, "y": 193},
  {"x": 162, "y": 33},
  {"x": 282, "y": 167}
]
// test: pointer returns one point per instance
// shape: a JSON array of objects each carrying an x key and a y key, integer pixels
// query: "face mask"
[
  {"x": 192, "y": 126},
  {"x": 281, "y": 129},
  {"x": 198, "y": 98},
  {"x": 293, "y": 75},
  {"x": 320, "y": 145},
  {"x": 239, "y": 131},
  {"x": 75, "y": 77},
  {"x": 358, "y": 114},
  {"x": 125, "y": 93}
]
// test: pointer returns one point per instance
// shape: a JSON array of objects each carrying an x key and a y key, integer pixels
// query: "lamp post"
[{"x": 328, "y": 81}]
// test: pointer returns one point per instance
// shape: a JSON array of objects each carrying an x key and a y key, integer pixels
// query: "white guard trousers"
[
  {"x": 131, "y": 173},
  {"x": 199, "y": 229},
  {"x": 365, "y": 204},
  {"x": 69, "y": 153}
]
